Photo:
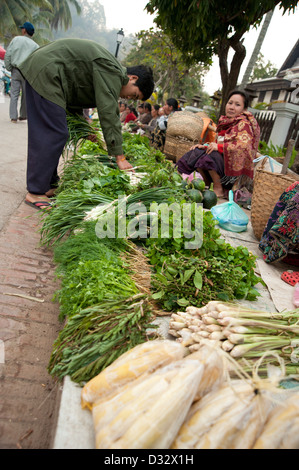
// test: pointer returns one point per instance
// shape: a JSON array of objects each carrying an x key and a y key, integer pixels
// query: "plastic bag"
[{"x": 230, "y": 216}]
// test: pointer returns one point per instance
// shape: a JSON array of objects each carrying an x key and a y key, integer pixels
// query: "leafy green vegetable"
[{"x": 89, "y": 269}]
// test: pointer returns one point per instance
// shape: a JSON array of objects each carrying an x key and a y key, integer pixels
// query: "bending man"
[{"x": 69, "y": 74}]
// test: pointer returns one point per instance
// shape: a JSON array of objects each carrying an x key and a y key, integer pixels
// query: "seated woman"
[
  {"x": 159, "y": 134},
  {"x": 229, "y": 161}
]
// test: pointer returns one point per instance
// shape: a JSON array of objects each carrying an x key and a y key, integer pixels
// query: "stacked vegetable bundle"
[
  {"x": 243, "y": 332},
  {"x": 157, "y": 396},
  {"x": 96, "y": 272}
]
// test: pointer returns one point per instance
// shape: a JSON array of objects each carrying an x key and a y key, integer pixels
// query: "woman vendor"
[{"x": 229, "y": 161}]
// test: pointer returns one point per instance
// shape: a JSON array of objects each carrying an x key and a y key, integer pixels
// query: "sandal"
[{"x": 40, "y": 205}]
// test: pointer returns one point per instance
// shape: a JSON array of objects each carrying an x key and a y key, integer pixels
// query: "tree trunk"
[
  {"x": 256, "y": 49},
  {"x": 229, "y": 78}
]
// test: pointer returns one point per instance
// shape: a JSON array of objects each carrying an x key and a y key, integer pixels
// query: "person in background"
[
  {"x": 228, "y": 162},
  {"x": 150, "y": 127},
  {"x": 18, "y": 51},
  {"x": 132, "y": 114},
  {"x": 144, "y": 113},
  {"x": 159, "y": 133},
  {"x": 72, "y": 75},
  {"x": 123, "y": 110}
]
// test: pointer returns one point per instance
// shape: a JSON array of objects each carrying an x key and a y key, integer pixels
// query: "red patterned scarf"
[{"x": 241, "y": 139}]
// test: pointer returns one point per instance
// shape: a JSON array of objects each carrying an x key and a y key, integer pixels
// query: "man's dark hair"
[
  {"x": 173, "y": 102},
  {"x": 241, "y": 93},
  {"x": 148, "y": 106},
  {"x": 145, "y": 81}
]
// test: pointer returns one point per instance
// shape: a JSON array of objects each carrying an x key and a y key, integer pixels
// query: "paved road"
[
  {"x": 12, "y": 162},
  {"x": 29, "y": 325}
]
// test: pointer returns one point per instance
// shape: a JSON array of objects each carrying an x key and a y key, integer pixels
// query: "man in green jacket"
[{"x": 66, "y": 75}]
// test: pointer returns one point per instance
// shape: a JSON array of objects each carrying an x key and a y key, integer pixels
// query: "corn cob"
[
  {"x": 204, "y": 413},
  {"x": 157, "y": 427},
  {"x": 281, "y": 430},
  {"x": 113, "y": 417},
  {"x": 212, "y": 358},
  {"x": 145, "y": 357}
]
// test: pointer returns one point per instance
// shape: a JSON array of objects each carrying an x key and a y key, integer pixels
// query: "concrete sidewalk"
[{"x": 28, "y": 318}]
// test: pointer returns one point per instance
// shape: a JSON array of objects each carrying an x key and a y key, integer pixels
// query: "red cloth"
[
  {"x": 241, "y": 139},
  {"x": 2, "y": 53},
  {"x": 130, "y": 117}
]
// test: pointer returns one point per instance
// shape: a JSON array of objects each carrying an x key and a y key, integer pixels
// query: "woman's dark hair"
[
  {"x": 133, "y": 110},
  {"x": 173, "y": 102},
  {"x": 241, "y": 93},
  {"x": 145, "y": 81},
  {"x": 156, "y": 107}
]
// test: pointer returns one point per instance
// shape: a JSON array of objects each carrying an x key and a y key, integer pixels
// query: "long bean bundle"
[{"x": 97, "y": 335}]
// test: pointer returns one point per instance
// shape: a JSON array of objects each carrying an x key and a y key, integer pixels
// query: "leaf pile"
[{"x": 213, "y": 271}]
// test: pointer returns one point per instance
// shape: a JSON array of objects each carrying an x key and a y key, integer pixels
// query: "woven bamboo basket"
[
  {"x": 267, "y": 189},
  {"x": 185, "y": 124},
  {"x": 176, "y": 147}
]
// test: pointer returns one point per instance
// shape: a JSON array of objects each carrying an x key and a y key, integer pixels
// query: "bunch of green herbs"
[
  {"x": 214, "y": 270},
  {"x": 90, "y": 269}
]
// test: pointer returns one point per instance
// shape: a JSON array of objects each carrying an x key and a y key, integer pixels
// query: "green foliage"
[
  {"x": 89, "y": 175},
  {"x": 276, "y": 151},
  {"x": 262, "y": 70},
  {"x": 171, "y": 72},
  {"x": 46, "y": 15},
  {"x": 90, "y": 269},
  {"x": 160, "y": 172},
  {"x": 216, "y": 270},
  {"x": 98, "y": 335},
  {"x": 196, "y": 27},
  {"x": 201, "y": 29}
]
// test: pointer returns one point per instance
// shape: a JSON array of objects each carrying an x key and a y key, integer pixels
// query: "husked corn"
[
  {"x": 144, "y": 358},
  {"x": 205, "y": 412},
  {"x": 281, "y": 430},
  {"x": 157, "y": 426},
  {"x": 211, "y": 357}
]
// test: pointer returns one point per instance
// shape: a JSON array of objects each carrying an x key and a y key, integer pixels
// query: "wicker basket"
[
  {"x": 267, "y": 189},
  {"x": 176, "y": 147},
  {"x": 185, "y": 124}
]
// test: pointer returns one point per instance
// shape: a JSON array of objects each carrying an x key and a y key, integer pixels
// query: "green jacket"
[{"x": 79, "y": 73}]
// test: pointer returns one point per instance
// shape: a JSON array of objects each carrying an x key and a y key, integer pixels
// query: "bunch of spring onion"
[
  {"x": 136, "y": 201},
  {"x": 67, "y": 212},
  {"x": 79, "y": 130},
  {"x": 243, "y": 332},
  {"x": 70, "y": 209}
]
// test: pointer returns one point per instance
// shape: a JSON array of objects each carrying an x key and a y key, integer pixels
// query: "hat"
[{"x": 29, "y": 27}]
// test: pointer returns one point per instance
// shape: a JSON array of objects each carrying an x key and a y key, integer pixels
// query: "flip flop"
[{"x": 39, "y": 205}]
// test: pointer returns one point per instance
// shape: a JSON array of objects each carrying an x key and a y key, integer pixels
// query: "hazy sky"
[{"x": 282, "y": 34}]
